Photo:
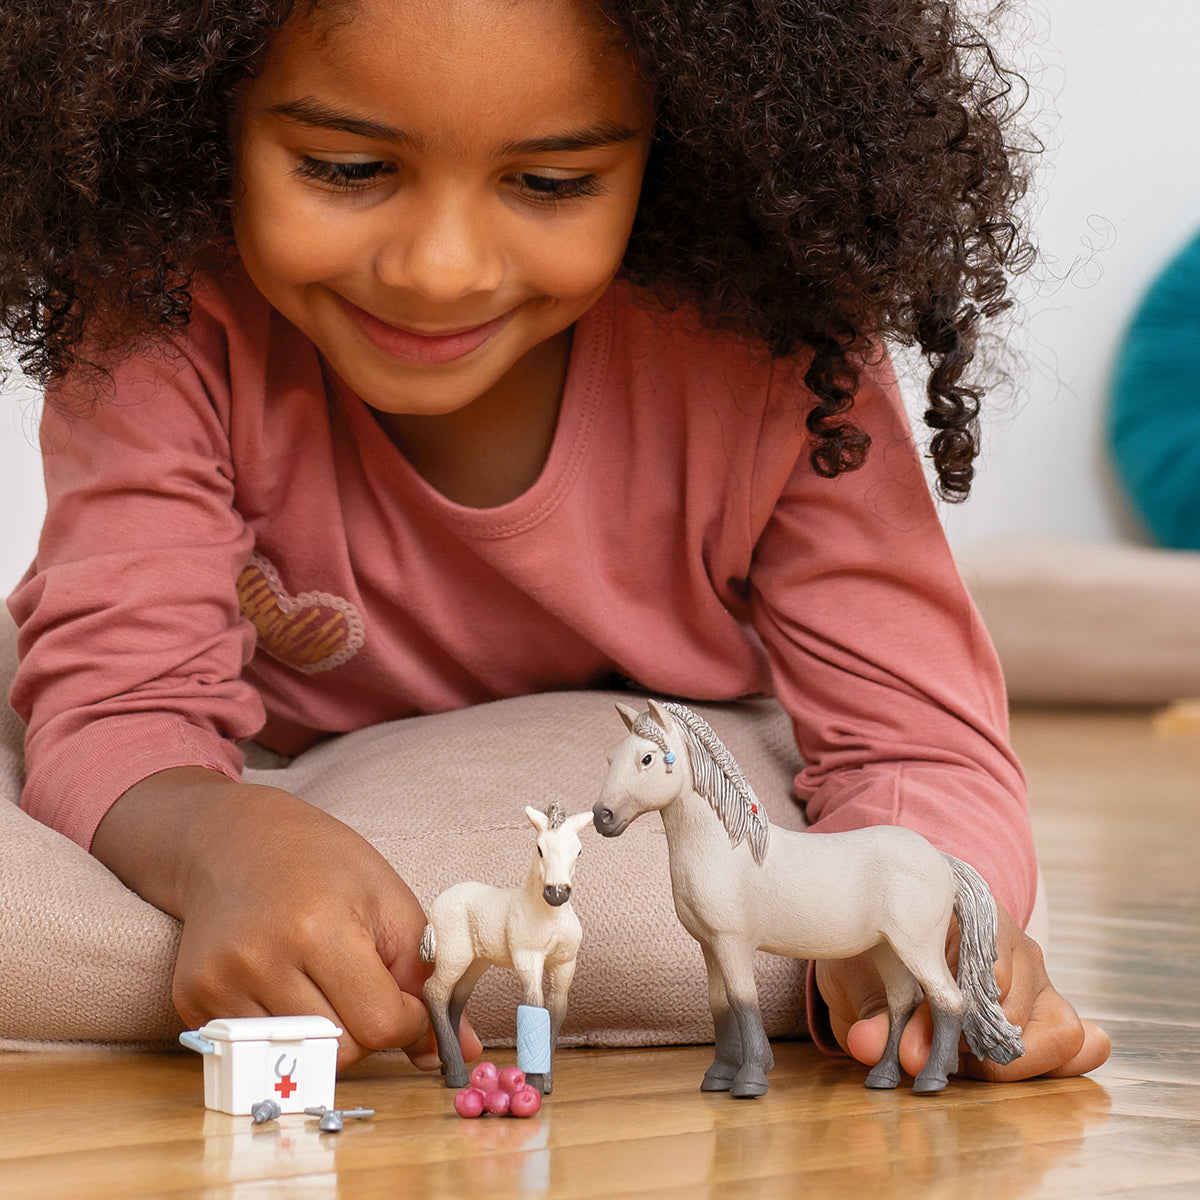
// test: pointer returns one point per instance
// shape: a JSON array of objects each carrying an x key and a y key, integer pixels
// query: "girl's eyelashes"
[
  {"x": 344, "y": 176},
  {"x": 353, "y": 176},
  {"x": 549, "y": 189}
]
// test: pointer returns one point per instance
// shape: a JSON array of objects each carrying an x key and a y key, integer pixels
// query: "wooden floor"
[{"x": 1118, "y": 821}]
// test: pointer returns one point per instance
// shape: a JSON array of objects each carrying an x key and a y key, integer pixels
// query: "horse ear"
[
  {"x": 538, "y": 819},
  {"x": 628, "y": 715},
  {"x": 579, "y": 821},
  {"x": 660, "y": 715}
]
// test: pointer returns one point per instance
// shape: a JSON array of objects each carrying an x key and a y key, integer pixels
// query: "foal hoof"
[{"x": 456, "y": 1079}]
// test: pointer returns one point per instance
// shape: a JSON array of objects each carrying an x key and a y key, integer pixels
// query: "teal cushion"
[{"x": 1154, "y": 416}]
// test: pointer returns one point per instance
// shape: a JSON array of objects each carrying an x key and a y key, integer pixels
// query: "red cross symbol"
[{"x": 285, "y": 1087}]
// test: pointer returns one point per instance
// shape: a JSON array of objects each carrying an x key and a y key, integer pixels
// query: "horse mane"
[
  {"x": 556, "y": 815},
  {"x": 717, "y": 777}
]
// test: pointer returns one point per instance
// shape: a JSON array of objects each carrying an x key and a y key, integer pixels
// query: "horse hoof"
[
  {"x": 884, "y": 1076},
  {"x": 749, "y": 1082},
  {"x": 716, "y": 1080},
  {"x": 748, "y": 1089},
  {"x": 543, "y": 1083},
  {"x": 929, "y": 1086},
  {"x": 456, "y": 1079}
]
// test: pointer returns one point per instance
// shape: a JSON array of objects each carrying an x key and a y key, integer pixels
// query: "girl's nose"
[{"x": 442, "y": 248}]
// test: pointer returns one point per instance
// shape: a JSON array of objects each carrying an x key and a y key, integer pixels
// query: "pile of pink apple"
[{"x": 501, "y": 1093}]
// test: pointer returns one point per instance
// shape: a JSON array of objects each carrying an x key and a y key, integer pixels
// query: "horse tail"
[
  {"x": 428, "y": 950},
  {"x": 986, "y": 1028}
]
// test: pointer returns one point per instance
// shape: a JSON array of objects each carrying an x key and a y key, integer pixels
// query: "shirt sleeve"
[
  {"x": 881, "y": 660},
  {"x": 131, "y": 643}
]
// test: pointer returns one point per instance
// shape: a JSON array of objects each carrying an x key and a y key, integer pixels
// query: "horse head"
[
  {"x": 558, "y": 848},
  {"x": 646, "y": 772},
  {"x": 672, "y": 750}
]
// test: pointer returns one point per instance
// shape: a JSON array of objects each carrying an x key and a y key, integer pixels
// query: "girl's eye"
[
  {"x": 547, "y": 189},
  {"x": 345, "y": 176}
]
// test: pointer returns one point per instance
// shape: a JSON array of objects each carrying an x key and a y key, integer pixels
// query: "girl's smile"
[
  {"x": 434, "y": 192},
  {"x": 425, "y": 347}
]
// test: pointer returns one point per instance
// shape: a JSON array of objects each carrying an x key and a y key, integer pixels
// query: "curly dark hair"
[{"x": 822, "y": 175}]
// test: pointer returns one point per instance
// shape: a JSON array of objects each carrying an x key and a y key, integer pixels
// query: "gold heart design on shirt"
[{"x": 311, "y": 632}]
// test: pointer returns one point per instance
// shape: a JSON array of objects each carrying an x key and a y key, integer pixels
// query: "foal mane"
[{"x": 715, "y": 776}]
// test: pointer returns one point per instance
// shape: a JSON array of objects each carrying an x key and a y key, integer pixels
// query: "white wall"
[
  {"x": 1119, "y": 189},
  {"x": 22, "y": 504},
  {"x": 1119, "y": 192}
]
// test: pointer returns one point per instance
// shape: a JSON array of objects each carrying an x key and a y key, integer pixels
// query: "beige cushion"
[
  {"x": 85, "y": 959},
  {"x": 1090, "y": 623}
]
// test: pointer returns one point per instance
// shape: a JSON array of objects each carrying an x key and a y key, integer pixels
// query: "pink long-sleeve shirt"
[{"x": 234, "y": 548}]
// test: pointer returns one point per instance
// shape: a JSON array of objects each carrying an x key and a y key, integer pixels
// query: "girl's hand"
[
  {"x": 285, "y": 910},
  {"x": 1057, "y": 1041}
]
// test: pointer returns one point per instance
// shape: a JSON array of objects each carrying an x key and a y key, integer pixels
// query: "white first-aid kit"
[{"x": 291, "y": 1060}]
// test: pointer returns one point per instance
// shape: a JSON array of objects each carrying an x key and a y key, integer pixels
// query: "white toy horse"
[
  {"x": 531, "y": 929},
  {"x": 884, "y": 889}
]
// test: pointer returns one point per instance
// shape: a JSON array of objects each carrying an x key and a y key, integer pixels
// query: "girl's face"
[{"x": 431, "y": 190}]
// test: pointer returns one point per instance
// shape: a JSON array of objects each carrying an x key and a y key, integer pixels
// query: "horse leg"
[
  {"x": 903, "y": 996},
  {"x": 728, "y": 1057},
  {"x": 946, "y": 1006},
  {"x": 735, "y": 961},
  {"x": 943, "y": 1054},
  {"x": 530, "y": 966},
  {"x": 558, "y": 984},
  {"x": 438, "y": 992},
  {"x": 461, "y": 993}
]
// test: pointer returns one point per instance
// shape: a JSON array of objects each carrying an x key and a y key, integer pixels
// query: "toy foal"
[
  {"x": 531, "y": 929},
  {"x": 739, "y": 886}
]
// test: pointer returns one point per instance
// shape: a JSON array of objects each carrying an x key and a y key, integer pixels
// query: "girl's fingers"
[
  {"x": 304, "y": 998},
  {"x": 293, "y": 993},
  {"x": 1094, "y": 1052},
  {"x": 853, "y": 992},
  {"x": 866, "y": 1039},
  {"x": 472, "y": 1047},
  {"x": 375, "y": 1012},
  {"x": 1056, "y": 1042}
]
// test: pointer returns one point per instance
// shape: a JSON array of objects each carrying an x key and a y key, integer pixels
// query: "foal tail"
[
  {"x": 985, "y": 1026},
  {"x": 428, "y": 951}
]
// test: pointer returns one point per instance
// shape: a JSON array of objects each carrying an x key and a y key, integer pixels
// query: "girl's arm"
[
  {"x": 132, "y": 648},
  {"x": 284, "y": 909},
  {"x": 883, "y": 663},
  {"x": 130, "y": 639},
  {"x": 900, "y": 713}
]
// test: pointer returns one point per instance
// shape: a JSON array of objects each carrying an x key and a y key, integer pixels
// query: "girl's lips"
[{"x": 425, "y": 349}]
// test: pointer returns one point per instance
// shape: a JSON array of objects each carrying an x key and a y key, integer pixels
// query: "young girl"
[{"x": 537, "y": 342}]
